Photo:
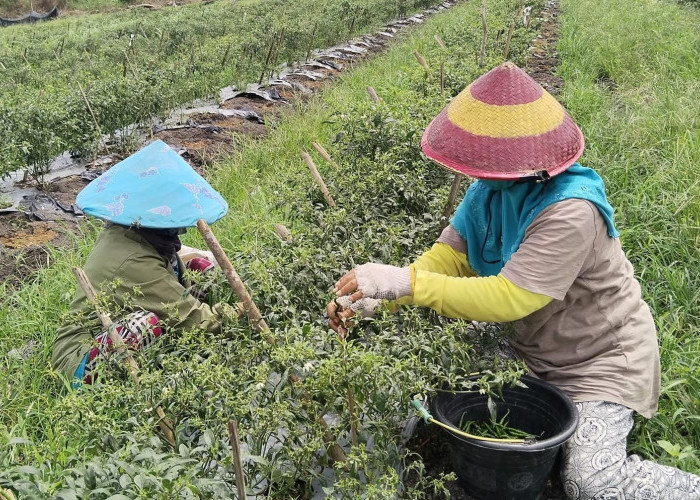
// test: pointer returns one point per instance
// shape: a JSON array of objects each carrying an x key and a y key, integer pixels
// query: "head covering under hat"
[
  {"x": 153, "y": 188},
  {"x": 504, "y": 126}
]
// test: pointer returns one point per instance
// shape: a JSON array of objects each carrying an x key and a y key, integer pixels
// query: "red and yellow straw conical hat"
[{"x": 503, "y": 126}]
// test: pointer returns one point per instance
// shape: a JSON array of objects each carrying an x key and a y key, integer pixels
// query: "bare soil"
[{"x": 543, "y": 59}]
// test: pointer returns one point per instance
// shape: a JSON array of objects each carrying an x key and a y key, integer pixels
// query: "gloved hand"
[
  {"x": 342, "y": 309},
  {"x": 376, "y": 281}
]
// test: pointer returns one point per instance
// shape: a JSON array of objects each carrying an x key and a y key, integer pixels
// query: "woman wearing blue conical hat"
[{"x": 146, "y": 201}]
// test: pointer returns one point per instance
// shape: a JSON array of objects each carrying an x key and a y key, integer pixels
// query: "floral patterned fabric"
[{"x": 595, "y": 464}]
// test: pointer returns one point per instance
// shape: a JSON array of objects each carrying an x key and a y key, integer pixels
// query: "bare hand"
[{"x": 338, "y": 318}]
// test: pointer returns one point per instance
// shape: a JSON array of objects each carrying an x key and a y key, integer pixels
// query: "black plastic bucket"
[{"x": 504, "y": 471}]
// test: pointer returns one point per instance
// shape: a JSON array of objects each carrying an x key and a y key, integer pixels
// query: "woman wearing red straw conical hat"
[{"x": 534, "y": 243}]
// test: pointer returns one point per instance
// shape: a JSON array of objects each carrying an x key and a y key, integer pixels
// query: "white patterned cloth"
[{"x": 595, "y": 465}]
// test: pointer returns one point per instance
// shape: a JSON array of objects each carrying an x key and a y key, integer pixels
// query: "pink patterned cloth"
[
  {"x": 138, "y": 330},
  {"x": 199, "y": 264}
]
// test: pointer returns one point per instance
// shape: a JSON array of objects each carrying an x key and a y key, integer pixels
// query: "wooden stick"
[
  {"x": 353, "y": 420},
  {"x": 284, "y": 233},
  {"x": 451, "y": 200},
  {"x": 373, "y": 95},
  {"x": 311, "y": 43},
  {"x": 440, "y": 42},
  {"x": 237, "y": 462},
  {"x": 421, "y": 60},
  {"x": 482, "y": 51},
  {"x": 94, "y": 118},
  {"x": 322, "y": 151},
  {"x": 223, "y": 59},
  {"x": 133, "y": 71},
  {"x": 510, "y": 35},
  {"x": 232, "y": 276},
  {"x": 442, "y": 77},
  {"x": 267, "y": 59},
  {"x": 92, "y": 66},
  {"x": 317, "y": 177},
  {"x": 335, "y": 451},
  {"x": 166, "y": 426}
]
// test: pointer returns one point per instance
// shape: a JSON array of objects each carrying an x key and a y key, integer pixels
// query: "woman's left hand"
[{"x": 376, "y": 281}]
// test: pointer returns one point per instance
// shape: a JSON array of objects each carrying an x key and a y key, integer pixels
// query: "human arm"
[
  {"x": 158, "y": 291},
  {"x": 552, "y": 255}
]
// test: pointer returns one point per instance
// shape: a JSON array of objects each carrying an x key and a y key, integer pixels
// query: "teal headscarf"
[{"x": 494, "y": 215}]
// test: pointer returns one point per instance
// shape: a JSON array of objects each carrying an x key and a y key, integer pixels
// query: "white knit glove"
[
  {"x": 365, "y": 307},
  {"x": 379, "y": 281}
]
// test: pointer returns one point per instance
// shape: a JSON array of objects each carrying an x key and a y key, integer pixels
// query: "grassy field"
[{"x": 635, "y": 97}]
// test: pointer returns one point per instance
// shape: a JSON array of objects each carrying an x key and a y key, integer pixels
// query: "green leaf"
[{"x": 672, "y": 449}]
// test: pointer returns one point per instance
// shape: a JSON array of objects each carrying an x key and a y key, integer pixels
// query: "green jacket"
[{"x": 124, "y": 259}]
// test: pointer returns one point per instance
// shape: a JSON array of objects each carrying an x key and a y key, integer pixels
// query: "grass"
[{"x": 635, "y": 94}]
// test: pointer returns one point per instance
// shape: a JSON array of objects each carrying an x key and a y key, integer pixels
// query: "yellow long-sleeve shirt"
[{"x": 442, "y": 280}]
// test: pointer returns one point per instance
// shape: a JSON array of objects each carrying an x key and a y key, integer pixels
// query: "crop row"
[{"x": 133, "y": 65}]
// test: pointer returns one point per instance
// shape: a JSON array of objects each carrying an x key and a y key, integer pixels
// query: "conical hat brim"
[
  {"x": 503, "y": 126},
  {"x": 153, "y": 188}
]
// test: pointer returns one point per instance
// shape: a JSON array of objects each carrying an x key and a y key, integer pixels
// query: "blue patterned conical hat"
[{"x": 153, "y": 188}]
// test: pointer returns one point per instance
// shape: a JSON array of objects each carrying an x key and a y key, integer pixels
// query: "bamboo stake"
[
  {"x": 373, "y": 95},
  {"x": 166, "y": 426},
  {"x": 223, "y": 59},
  {"x": 311, "y": 43},
  {"x": 440, "y": 42},
  {"x": 317, "y": 177},
  {"x": 133, "y": 71},
  {"x": 482, "y": 51},
  {"x": 92, "y": 66},
  {"x": 322, "y": 151},
  {"x": 421, "y": 60},
  {"x": 94, "y": 119},
  {"x": 335, "y": 451},
  {"x": 232, "y": 276},
  {"x": 237, "y": 462},
  {"x": 451, "y": 200},
  {"x": 353, "y": 420},
  {"x": 284, "y": 233},
  {"x": 267, "y": 59},
  {"x": 510, "y": 35},
  {"x": 442, "y": 77}
]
